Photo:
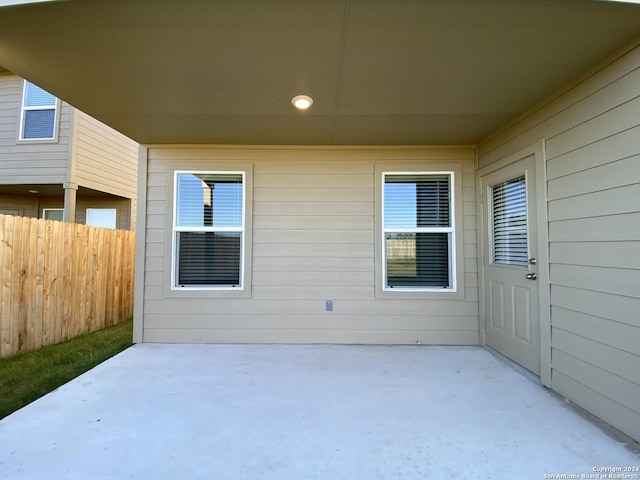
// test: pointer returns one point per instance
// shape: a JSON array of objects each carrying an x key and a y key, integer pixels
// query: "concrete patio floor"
[{"x": 304, "y": 412}]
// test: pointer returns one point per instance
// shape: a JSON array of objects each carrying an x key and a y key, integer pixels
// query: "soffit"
[
  {"x": 380, "y": 72},
  {"x": 50, "y": 190}
]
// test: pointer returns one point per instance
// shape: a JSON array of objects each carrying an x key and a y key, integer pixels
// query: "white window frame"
[
  {"x": 23, "y": 108},
  {"x": 492, "y": 240},
  {"x": 45, "y": 210},
  {"x": 456, "y": 248},
  {"x": 89, "y": 210},
  {"x": 449, "y": 230},
  {"x": 242, "y": 230}
]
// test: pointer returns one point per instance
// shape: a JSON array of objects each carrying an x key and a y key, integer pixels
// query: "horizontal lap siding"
[
  {"x": 304, "y": 335},
  {"x": 24, "y": 206},
  {"x": 106, "y": 160},
  {"x": 29, "y": 162},
  {"x": 313, "y": 240},
  {"x": 592, "y": 135}
]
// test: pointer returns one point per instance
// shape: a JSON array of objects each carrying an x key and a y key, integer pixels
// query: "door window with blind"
[
  {"x": 509, "y": 223},
  {"x": 418, "y": 229},
  {"x": 209, "y": 230}
]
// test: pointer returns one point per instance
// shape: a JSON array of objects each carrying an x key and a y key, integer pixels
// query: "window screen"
[
  {"x": 418, "y": 231},
  {"x": 509, "y": 200},
  {"x": 38, "y": 113},
  {"x": 209, "y": 229}
]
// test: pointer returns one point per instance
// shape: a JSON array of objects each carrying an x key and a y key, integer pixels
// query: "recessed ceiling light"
[
  {"x": 302, "y": 102},
  {"x": 34, "y": 191}
]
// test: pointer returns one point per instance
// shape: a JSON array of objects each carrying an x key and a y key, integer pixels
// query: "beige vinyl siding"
[
  {"x": 24, "y": 206},
  {"x": 105, "y": 160},
  {"x": 592, "y": 134},
  {"x": 313, "y": 240},
  {"x": 30, "y": 162}
]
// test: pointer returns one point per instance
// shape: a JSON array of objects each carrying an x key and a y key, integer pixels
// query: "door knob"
[{"x": 531, "y": 276}]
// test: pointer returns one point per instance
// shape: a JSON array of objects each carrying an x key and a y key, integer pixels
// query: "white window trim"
[
  {"x": 242, "y": 230},
  {"x": 450, "y": 230},
  {"x": 89, "y": 209},
  {"x": 45, "y": 210},
  {"x": 456, "y": 266},
  {"x": 23, "y": 109},
  {"x": 492, "y": 243}
]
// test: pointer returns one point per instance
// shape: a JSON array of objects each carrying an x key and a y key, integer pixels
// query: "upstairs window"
[
  {"x": 418, "y": 229},
  {"x": 39, "y": 114},
  {"x": 209, "y": 230}
]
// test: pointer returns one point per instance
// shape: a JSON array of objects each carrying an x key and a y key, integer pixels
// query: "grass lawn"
[
  {"x": 401, "y": 267},
  {"x": 25, "y": 377}
]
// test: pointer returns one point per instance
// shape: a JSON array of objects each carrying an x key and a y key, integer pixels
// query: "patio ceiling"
[
  {"x": 380, "y": 72},
  {"x": 40, "y": 190}
]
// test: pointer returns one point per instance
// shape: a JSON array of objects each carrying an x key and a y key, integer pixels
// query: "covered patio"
[
  {"x": 166, "y": 411},
  {"x": 544, "y": 95}
]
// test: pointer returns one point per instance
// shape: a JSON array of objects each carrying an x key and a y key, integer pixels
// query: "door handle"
[{"x": 531, "y": 276}]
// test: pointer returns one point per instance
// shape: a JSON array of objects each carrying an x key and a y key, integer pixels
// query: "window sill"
[
  {"x": 31, "y": 141},
  {"x": 420, "y": 294},
  {"x": 207, "y": 292}
]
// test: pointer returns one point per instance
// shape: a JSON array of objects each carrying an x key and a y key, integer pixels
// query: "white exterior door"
[{"x": 512, "y": 324}]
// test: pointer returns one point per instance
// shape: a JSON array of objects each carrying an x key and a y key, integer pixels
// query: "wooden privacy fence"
[{"x": 58, "y": 280}]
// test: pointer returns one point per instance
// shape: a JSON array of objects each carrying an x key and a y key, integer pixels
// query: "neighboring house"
[
  {"x": 57, "y": 162},
  {"x": 468, "y": 173}
]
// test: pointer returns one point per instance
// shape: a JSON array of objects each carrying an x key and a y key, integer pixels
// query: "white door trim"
[{"x": 544, "y": 296}]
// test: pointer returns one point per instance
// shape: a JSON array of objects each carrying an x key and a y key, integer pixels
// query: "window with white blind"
[
  {"x": 509, "y": 207},
  {"x": 209, "y": 230},
  {"x": 418, "y": 229},
  {"x": 39, "y": 114}
]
